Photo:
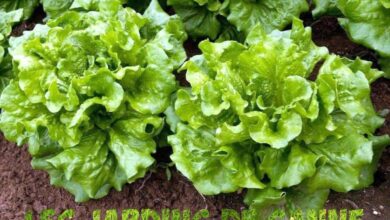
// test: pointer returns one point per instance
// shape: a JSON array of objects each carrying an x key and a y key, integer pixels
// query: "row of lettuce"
[{"x": 92, "y": 89}]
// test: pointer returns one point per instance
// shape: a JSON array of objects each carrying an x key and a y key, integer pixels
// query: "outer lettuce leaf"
[
  {"x": 341, "y": 170},
  {"x": 213, "y": 169},
  {"x": 55, "y": 8},
  {"x": 325, "y": 7},
  {"x": 287, "y": 167},
  {"x": 226, "y": 19},
  {"x": 7, "y": 20},
  {"x": 200, "y": 17},
  {"x": 385, "y": 64},
  {"x": 366, "y": 22},
  {"x": 296, "y": 139},
  {"x": 89, "y": 93},
  {"x": 5, "y": 70},
  {"x": 344, "y": 90},
  {"x": 270, "y": 14},
  {"x": 296, "y": 202},
  {"x": 27, "y": 6},
  {"x": 351, "y": 168}
]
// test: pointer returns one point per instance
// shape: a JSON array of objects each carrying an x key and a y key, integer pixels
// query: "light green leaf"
[
  {"x": 54, "y": 7},
  {"x": 296, "y": 202},
  {"x": 366, "y": 22},
  {"x": 93, "y": 151},
  {"x": 211, "y": 168},
  {"x": 345, "y": 85},
  {"x": 27, "y": 7},
  {"x": 342, "y": 163},
  {"x": 287, "y": 167},
  {"x": 385, "y": 3},
  {"x": 278, "y": 135},
  {"x": 131, "y": 141}
]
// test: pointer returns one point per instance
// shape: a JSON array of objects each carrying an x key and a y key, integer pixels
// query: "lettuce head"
[
  {"x": 254, "y": 119},
  {"x": 89, "y": 93}
]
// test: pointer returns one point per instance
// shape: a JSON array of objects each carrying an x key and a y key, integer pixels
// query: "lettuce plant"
[
  {"x": 227, "y": 18},
  {"x": 253, "y": 119},
  {"x": 89, "y": 92},
  {"x": 365, "y": 21}
]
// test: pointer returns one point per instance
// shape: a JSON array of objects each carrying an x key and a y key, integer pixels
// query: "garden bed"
[{"x": 23, "y": 189}]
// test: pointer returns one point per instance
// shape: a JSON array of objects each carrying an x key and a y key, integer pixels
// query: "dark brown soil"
[
  {"x": 37, "y": 17},
  {"x": 23, "y": 189}
]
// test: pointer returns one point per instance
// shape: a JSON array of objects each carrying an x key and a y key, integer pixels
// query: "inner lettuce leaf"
[
  {"x": 253, "y": 119},
  {"x": 228, "y": 19},
  {"x": 89, "y": 93},
  {"x": 366, "y": 22}
]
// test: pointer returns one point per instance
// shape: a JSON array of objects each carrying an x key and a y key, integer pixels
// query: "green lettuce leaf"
[
  {"x": 89, "y": 94},
  {"x": 200, "y": 17},
  {"x": 385, "y": 64},
  {"x": 226, "y": 20},
  {"x": 365, "y": 21},
  {"x": 325, "y": 7},
  {"x": 270, "y": 14},
  {"x": 369, "y": 28},
  {"x": 213, "y": 169},
  {"x": 296, "y": 202},
  {"x": 287, "y": 167},
  {"x": 27, "y": 6},
  {"x": 7, "y": 20},
  {"x": 55, "y": 8}
]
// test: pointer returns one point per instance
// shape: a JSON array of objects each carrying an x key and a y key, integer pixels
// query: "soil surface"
[{"x": 23, "y": 189}]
